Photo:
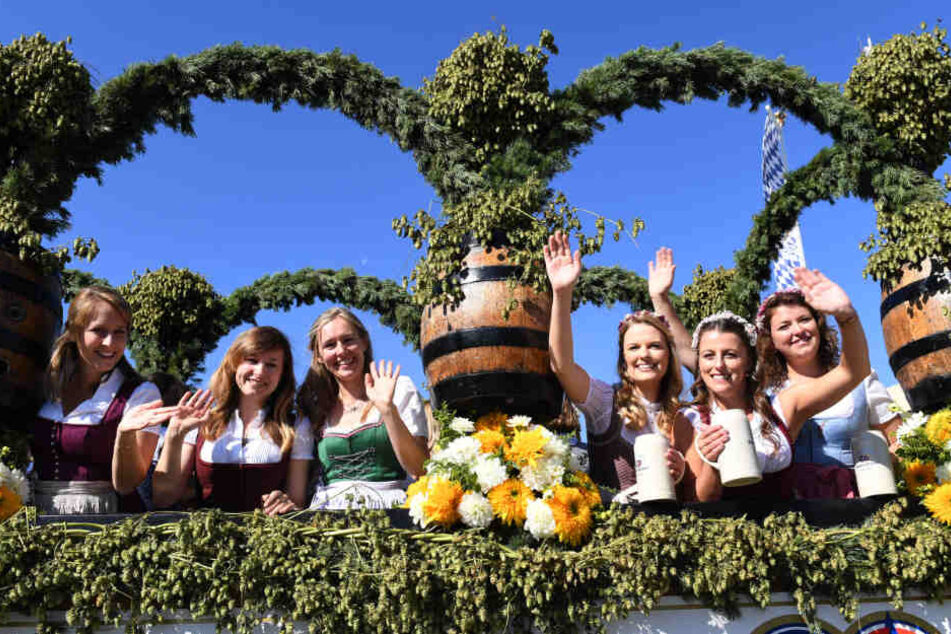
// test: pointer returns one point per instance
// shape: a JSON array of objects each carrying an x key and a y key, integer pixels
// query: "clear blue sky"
[{"x": 258, "y": 192}]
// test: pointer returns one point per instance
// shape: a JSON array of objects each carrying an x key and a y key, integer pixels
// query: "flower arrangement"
[
  {"x": 924, "y": 454},
  {"x": 14, "y": 488},
  {"x": 504, "y": 469}
]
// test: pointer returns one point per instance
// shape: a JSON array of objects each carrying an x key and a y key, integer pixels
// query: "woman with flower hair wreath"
[
  {"x": 645, "y": 401},
  {"x": 724, "y": 375},
  {"x": 796, "y": 345}
]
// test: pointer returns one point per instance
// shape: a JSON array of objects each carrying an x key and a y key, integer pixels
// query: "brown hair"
[
  {"x": 319, "y": 390},
  {"x": 756, "y": 397},
  {"x": 773, "y": 368},
  {"x": 626, "y": 400},
  {"x": 279, "y": 415},
  {"x": 65, "y": 359}
]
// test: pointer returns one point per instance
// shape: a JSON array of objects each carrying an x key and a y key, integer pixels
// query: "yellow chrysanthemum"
[
  {"x": 938, "y": 427},
  {"x": 509, "y": 500},
  {"x": 572, "y": 514},
  {"x": 526, "y": 447},
  {"x": 494, "y": 421},
  {"x": 588, "y": 488},
  {"x": 918, "y": 474},
  {"x": 10, "y": 502},
  {"x": 442, "y": 504},
  {"x": 939, "y": 503},
  {"x": 419, "y": 486},
  {"x": 490, "y": 440}
]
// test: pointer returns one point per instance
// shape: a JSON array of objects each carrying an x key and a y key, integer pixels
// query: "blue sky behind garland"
[{"x": 258, "y": 192}]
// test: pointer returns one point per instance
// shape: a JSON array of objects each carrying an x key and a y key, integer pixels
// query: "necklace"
[{"x": 353, "y": 406}]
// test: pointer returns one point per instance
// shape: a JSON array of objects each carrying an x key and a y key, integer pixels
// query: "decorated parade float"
[{"x": 478, "y": 549}]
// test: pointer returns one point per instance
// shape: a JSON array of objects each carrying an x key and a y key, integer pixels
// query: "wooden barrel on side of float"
[
  {"x": 476, "y": 360},
  {"x": 916, "y": 321},
  {"x": 31, "y": 313}
]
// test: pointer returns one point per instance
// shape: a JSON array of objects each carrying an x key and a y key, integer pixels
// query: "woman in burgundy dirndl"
[
  {"x": 94, "y": 437},
  {"x": 248, "y": 449}
]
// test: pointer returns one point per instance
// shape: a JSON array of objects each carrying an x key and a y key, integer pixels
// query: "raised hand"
[
  {"x": 711, "y": 441},
  {"x": 660, "y": 276},
  {"x": 562, "y": 266},
  {"x": 381, "y": 383},
  {"x": 676, "y": 464},
  {"x": 145, "y": 415},
  {"x": 193, "y": 410},
  {"x": 823, "y": 294}
]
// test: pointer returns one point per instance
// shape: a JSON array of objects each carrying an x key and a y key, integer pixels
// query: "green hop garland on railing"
[{"x": 354, "y": 573}]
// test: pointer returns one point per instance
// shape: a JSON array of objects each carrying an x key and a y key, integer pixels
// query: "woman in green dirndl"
[{"x": 368, "y": 420}]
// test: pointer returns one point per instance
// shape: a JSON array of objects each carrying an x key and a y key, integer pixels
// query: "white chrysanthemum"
[
  {"x": 462, "y": 450},
  {"x": 910, "y": 424},
  {"x": 462, "y": 425},
  {"x": 544, "y": 475},
  {"x": 519, "y": 421},
  {"x": 578, "y": 459},
  {"x": 943, "y": 473},
  {"x": 15, "y": 481},
  {"x": 539, "y": 520},
  {"x": 555, "y": 448},
  {"x": 416, "y": 509},
  {"x": 475, "y": 510},
  {"x": 490, "y": 472}
]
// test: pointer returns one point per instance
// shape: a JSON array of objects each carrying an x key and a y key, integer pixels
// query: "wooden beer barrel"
[
  {"x": 916, "y": 321},
  {"x": 31, "y": 314},
  {"x": 476, "y": 361}
]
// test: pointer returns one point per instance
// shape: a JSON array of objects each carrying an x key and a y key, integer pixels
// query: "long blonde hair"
[
  {"x": 627, "y": 401},
  {"x": 319, "y": 390},
  {"x": 279, "y": 414},
  {"x": 65, "y": 360}
]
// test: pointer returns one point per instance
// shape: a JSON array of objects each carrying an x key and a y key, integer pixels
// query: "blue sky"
[{"x": 258, "y": 192}]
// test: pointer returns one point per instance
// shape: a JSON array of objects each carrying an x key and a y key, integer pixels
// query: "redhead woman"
[
  {"x": 793, "y": 406},
  {"x": 798, "y": 346},
  {"x": 241, "y": 438},
  {"x": 644, "y": 402},
  {"x": 94, "y": 436},
  {"x": 368, "y": 420}
]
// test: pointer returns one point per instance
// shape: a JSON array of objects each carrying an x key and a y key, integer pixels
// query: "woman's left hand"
[
  {"x": 277, "y": 502},
  {"x": 823, "y": 294},
  {"x": 381, "y": 383},
  {"x": 676, "y": 464}
]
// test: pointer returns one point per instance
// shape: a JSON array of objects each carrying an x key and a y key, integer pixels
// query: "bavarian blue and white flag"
[{"x": 774, "y": 175}]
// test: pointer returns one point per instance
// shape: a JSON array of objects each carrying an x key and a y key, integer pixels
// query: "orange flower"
[
  {"x": 494, "y": 421},
  {"x": 417, "y": 487},
  {"x": 572, "y": 514},
  {"x": 527, "y": 447},
  {"x": 442, "y": 503},
  {"x": 588, "y": 488},
  {"x": 939, "y": 503},
  {"x": 10, "y": 502},
  {"x": 509, "y": 500},
  {"x": 491, "y": 440},
  {"x": 918, "y": 474}
]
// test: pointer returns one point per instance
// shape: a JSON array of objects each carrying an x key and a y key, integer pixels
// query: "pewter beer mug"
[
  {"x": 653, "y": 477},
  {"x": 737, "y": 463},
  {"x": 873, "y": 464}
]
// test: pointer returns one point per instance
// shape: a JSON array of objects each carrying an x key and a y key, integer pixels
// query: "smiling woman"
[
  {"x": 248, "y": 450},
  {"x": 94, "y": 436}
]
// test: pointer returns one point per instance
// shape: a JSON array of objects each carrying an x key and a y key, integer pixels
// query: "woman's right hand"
[
  {"x": 711, "y": 441},
  {"x": 562, "y": 266},
  {"x": 660, "y": 273},
  {"x": 193, "y": 410}
]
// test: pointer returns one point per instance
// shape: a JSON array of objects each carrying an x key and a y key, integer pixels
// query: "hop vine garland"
[{"x": 354, "y": 573}]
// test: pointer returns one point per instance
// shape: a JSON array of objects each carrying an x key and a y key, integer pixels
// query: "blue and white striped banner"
[{"x": 791, "y": 253}]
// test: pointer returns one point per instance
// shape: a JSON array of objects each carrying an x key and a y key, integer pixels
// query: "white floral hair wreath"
[{"x": 725, "y": 316}]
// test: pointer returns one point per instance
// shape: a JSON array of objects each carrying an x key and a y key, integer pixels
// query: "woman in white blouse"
[
  {"x": 645, "y": 401},
  {"x": 248, "y": 450},
  {"x": 94, "y": 436}
]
